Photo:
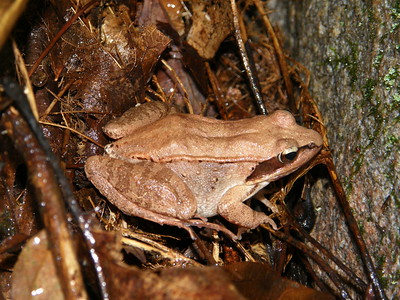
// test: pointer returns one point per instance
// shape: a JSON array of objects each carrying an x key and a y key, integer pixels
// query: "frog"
[{"x": 180, "y": 169}]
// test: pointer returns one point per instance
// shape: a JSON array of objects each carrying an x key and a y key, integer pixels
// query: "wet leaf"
[{"x": 34, "y": 274}]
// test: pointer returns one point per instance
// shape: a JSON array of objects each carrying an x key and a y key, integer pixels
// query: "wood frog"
[{"x": 179, "y": 169}]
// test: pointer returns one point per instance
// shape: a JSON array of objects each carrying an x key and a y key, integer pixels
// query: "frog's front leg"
[
  {"x": 144, "y": 189},
  {"x": 235, "y": 211}
]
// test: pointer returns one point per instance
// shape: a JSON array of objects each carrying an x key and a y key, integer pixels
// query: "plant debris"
[{"x": 88, "y": 61}]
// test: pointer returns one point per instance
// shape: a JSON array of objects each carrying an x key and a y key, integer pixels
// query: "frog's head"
[{"x": 294, "y": 146}]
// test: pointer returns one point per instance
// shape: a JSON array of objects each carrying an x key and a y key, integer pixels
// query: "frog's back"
[{"x": 192, "y": 137}]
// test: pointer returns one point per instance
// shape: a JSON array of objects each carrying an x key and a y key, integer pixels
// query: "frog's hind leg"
[
  {"x": 147, "y": 190},
  {"x": 141, "y": 187}
]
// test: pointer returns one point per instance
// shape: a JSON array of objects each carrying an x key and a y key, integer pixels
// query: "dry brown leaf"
[
  {"x": 34, "y": 274},
  {"x": 259, "y": 281},
  {"x": 212, "y": 22}
]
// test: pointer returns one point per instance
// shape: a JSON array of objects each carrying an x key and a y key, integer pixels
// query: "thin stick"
[
  {"x": 72, "y": 130},
  {"x": 56, "y": 98},
  {"x": 52, "y": 209},
  {"x": 314, "y": 256},
  {"x": 358, "y": 282},
  {"x": 247, "y": 63},
  {"x": 217, "y": 92},
  {"x": 186, "y": 97},
  {"x": 14, "y": 92},
  {"x": 21, "y": 67},
  {"x": 355, "y": 230}
]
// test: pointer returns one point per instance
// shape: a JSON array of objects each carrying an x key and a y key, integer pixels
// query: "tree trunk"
[{"x": 352, "y": 49}]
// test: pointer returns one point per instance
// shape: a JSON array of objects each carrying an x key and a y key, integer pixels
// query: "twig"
[
  {"x": 140, "y": 241},
  {"x": 314, "y": 256},
  {"x": 186, "y": 97},
  {"x": 217, "y": 91},
  {"x": 23, "y": 72},
  {"x": 51, "y": 205},
  {"x": 14, "y": 92},
  {"x": 315, "y": 278},
  {"x": 247, "y": 63},
  {"x": 72, "y": 130},
  {"x": 56, "y": 97},
  {"x": 355, "y": 230},
  {"x": 359, "y": 283}
]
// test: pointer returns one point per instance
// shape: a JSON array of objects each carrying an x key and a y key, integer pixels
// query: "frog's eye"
[{"x": 288, "y": 155}]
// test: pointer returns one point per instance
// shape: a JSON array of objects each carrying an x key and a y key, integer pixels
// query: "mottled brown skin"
[{"x": 179, "y": 167}]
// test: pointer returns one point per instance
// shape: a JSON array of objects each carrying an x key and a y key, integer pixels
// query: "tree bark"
[{"x": 352, "y": 49}]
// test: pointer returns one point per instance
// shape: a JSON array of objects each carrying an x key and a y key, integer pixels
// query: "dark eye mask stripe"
[{"x": 273, "y": 165}]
